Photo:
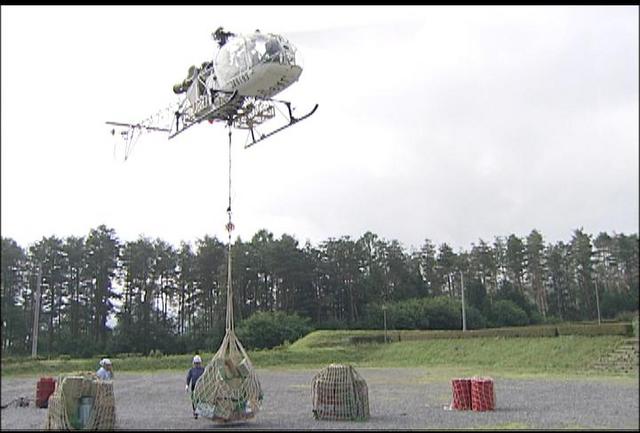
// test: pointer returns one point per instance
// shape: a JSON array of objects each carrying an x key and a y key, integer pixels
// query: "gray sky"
[{"x": 448, "y": 123}]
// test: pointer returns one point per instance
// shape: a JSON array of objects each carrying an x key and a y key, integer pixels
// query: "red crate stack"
[
  {"x": 461, "y": 394},
  {"x": 44, "y": 389},
  {"x": 483, "y": 396}
]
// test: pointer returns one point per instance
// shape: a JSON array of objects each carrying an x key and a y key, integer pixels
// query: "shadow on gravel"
[{"x": 226, "y": 425}]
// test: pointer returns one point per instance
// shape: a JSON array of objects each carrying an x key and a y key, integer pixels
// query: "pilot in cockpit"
[{"x": 221, "y": 36}]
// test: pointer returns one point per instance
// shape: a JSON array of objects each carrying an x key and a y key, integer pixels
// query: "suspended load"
[{"x": 228, "y": 389}]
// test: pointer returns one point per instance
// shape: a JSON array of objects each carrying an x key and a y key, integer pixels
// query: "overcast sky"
[{"x": 447, "y": 123}]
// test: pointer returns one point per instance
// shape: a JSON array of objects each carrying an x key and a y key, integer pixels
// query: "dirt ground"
[{"x": 399, "y": 398}]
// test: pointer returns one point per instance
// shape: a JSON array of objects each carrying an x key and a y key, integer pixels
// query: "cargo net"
[
  {"x": 228, "y": 389},
  {"x": 81, "y": 402},
  {"x": 461, "y": 394},
  {"x": 475, "y": 393},
  {"x": 340, "y": 393},
  {"x": 483, "y": 394}
]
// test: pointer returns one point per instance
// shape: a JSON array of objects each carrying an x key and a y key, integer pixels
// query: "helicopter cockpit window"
[
  {"x": 256, "y": 45},
  {"x": 241, "y": 53},
  {"x": 263, "y": 49},
  {"x": 288, "y": 51},
  {"x": 270, "y": 49},
  {"x": 231, "y": 59}
]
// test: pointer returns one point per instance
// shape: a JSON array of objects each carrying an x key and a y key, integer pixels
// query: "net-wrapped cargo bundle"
[
  {"x": 229, "y": 389},
  {"x": 483, "y": 394},
  {"x": 461, "y": 388},
  {"x": 340, "y": 393},
  {"x": 81, "y": 402}
]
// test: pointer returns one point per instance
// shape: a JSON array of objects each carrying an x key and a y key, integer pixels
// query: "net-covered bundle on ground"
[
  {"x": 461, "y": 388},
  {"x": 229, "y": 389},
  {"x": 340, "y": 393},
  {"x": 483, "y": 394},
  {"x": 81, "y": 402},
  {"x": 473, "y": 393}
]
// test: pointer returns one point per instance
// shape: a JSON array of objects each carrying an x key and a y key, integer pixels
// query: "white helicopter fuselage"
[
  {"x": 258, "y": 65},
  {"x": 265, "y": 80}
]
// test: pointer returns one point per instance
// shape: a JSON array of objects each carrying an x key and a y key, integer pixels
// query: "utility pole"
[
  {"x": 464, "y": 317},
  {"x": 597, "y": 301},
  {"x": 384, "y": 314},
  {"x": 36, "y": 315}
]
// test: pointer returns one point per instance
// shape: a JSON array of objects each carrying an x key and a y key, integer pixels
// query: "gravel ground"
[{"x": 399, "y": 398}]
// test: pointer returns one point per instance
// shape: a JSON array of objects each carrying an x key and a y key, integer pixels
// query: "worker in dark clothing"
[{"x": 192, "y": 377}]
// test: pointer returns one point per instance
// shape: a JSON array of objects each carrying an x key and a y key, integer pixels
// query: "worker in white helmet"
[
  {"x": 105, "y": 372},
  {"x": 192, "y": 377}
]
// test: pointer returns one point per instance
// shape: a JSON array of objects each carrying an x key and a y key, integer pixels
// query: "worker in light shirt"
[{"x": 105, "y": 372}]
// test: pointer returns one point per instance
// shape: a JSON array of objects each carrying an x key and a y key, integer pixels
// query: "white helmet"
[
  {"x": 197, "y": 359},
  {"x": 105, "y": 361}
]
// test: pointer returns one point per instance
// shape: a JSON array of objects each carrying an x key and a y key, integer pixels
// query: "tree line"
[{"x": 173, "y": 298}]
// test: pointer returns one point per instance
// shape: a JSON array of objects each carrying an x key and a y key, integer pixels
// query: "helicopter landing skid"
[
  {"x": 221, "y": 112},
  {"x": 292, "y": 121}
]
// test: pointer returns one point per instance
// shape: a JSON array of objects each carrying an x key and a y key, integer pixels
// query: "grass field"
[{"x": 562, "y": 355}]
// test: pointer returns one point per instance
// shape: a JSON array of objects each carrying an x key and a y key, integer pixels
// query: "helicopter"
[{"x": 236, "y": 87}]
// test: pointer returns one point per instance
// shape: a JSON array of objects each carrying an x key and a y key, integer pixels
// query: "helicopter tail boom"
[{"x": 137, "y": 125}]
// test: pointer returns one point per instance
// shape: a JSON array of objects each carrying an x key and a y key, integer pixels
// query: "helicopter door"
[
  {"x": 232, "y": 63},
  {"x": 197, "y": 94}
]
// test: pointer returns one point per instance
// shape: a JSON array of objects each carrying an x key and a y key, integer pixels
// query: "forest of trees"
[{"x": 172, "y": 298}]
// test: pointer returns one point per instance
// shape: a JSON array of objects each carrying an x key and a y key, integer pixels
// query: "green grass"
[
  {"x": 561, "y": 355},
  {"x": 564, "y": 353},
  {"x": 537, "y": 354},
  {"x": 339, "y": 338}
]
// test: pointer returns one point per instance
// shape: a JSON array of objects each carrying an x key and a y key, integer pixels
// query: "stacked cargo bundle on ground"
[
  {"x": 475, "y": 393},
  {"x": 340, "y": 393},
  {"x": 483, "y": 396},
  {"x": 81, "y": 402},
  {"x": 461, "y": 394}
]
